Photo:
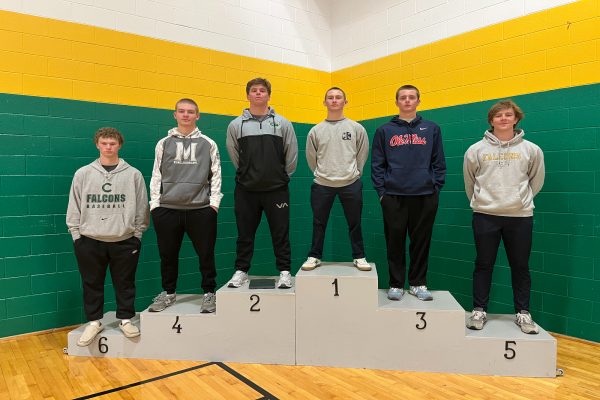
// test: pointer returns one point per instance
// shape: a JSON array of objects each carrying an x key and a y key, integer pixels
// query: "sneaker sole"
[
  {"x": 87, "y": 343},
  {"x": 395, "y": 299},
  {"x": 284, "y": 287},
  {"x": 233, "y": 285},
  {"x": 363, "y": 268},
  {"x": 427, "y": 299},
  {"x": 309, "y": 268},
  {"x": 162, "y": 309},
  {"x": 130, "y": 335}
]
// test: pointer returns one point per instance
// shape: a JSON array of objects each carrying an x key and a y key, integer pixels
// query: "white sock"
[
  {"x": 95, "y": 323},
  {"x": 125, "y": 321}
]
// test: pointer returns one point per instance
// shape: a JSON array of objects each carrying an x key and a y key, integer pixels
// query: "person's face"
[
  {"x": 335, "y": 100},
  {"x": 407, "y": 101},
  {"x": 504, "y": 120},
  {"x": 108, "y": 147},
  {"x": 186, "y": 115},
  {"x": 258, "y": 95}
]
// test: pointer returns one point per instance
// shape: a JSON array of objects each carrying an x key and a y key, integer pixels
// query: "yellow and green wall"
[{"x": 60, "y": 81}]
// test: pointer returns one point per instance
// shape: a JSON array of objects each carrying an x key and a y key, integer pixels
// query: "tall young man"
[
  {"x": 408, "y": 170},
  {"x": 503, "y": 172},
  {"x": 107, "y": 214},
  {"x": 263, "y": 148},
  {"x": 336, "y": 152},
  {"x": 185, "y": 193}
]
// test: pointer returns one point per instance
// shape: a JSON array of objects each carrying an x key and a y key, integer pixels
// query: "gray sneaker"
[
  {"x": 209, "y": 303},
  {"x": 162, "y": 301},
  {"x": 285, "y": 280},
  {"x": 525, "y": 322},
  {"x": 395, "y": 293},
  {"x": 421, "y": 293},
  {"x": 238, "y": 279},
  {"x": 477, "y": 319}
]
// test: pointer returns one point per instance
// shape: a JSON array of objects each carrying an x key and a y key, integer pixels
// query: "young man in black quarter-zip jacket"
[{"x": 263, "y": 148}]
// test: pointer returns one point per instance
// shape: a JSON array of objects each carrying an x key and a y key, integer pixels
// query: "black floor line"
[
  {"x": 248, "y": 382},
  {"x": 266, "y": 395}
]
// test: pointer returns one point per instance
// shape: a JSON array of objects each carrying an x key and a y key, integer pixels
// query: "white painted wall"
[
  {"x": 291, "y": 31},
  {"x": 365, "y": 30}
]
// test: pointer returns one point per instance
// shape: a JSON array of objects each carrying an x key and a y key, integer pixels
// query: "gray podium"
[{"x": 333, "y": 316}]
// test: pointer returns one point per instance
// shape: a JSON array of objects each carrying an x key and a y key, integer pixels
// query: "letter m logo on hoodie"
[{"x": 185, "y": 155}]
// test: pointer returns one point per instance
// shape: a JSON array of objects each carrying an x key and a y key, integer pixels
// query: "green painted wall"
[
  {"x": 565, "y": 261},
  {"x": 43, "y": 141}
]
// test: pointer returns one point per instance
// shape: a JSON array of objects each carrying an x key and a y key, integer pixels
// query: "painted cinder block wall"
[
  {"x": 549, "y": 62},
  {"x": 61, "y": 81}
]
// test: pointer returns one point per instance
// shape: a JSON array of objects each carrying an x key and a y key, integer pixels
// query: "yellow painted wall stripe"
[
  {"x": 555, "y": 48},
  {"x": 551, "y": 49},
  {"x": 45, "y": 57}
]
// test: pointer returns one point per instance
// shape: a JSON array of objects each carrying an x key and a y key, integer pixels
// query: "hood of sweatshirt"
[
  {"x": 175, "y": 132},
  {"x": 399, "y": 121},
  {"x": 121, "y": 166},
  {"x": 503, "y": 147}
]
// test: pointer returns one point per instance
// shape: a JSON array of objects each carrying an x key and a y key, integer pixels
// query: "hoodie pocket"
[
  {"x": 105, "y": 226},
  {"x": 497, "y": 199}
]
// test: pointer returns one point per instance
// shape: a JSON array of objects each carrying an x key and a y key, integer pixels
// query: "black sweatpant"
[
  {"x": 321, "y": 201},
  {"x": 249, "y": 207},
  {"x": 93, "y": 258},
  {"x": 516, "y": 233},
  {"x": 201, "y": 227},
  {"x": 415, "y": 215}
]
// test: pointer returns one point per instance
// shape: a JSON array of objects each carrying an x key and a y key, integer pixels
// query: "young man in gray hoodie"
[
  {"x": 263, "y": 148},
  {"x": 185, "y": 194},
  {"x": 106, "y": 216},
  {"x": 336, "y": 152},
  {"x": 503, "y": 172}
]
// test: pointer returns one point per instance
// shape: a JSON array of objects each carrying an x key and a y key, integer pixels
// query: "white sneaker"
[
  {"x": 89, "y": 333},
  {"x": 285, "y": 280},
  {"x": 362, "y": 264},
  {"x": 238, "y": 279},
  {"x": 129, "y": 329},
  {"x": 311, "y": 263}
]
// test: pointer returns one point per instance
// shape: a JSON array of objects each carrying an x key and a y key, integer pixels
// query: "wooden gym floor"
[{"x": 33, "y": 366}]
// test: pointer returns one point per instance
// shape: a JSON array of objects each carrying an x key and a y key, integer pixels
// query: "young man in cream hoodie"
[
  {"x": 503, "y": 172},
  {"x": 106, "y": 216},
  {"x": 336, "y": 152},
  {"x": 185, "y": 194}
]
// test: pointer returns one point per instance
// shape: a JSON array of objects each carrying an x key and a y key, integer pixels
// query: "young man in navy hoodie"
[{"x": 408, "y": 170}]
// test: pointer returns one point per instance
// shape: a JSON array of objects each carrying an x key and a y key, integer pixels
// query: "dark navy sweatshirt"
[{"x": 407, "y": 158}]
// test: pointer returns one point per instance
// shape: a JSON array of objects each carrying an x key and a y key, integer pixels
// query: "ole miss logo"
[{"x": 409, "y": 138}]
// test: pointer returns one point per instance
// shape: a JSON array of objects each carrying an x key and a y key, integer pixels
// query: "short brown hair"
[
  {"x": 187, "y": 101},
  {"x": 334, "y": 88},
  {"x": 108, "y": 132},
  {"x": 408, "y": 87},
  {"x": 258, "y": 81},
  {"x": 503, "y": 105}
]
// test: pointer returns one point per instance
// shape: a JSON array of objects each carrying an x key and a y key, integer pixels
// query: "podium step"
[
  {"x": 109, "y": 343},
  {"x": 332, "y": 316}
]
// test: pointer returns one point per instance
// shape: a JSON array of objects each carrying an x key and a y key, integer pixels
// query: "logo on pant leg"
[{"x": 281, "y": 205}]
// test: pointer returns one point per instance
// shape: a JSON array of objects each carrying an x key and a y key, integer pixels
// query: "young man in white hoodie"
[
  {"x": 503, "y": 172},
  {"x": 185, "y": 194},
  {"x": 336, "y": 152},
  {"x": 106, "y": 216}
]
